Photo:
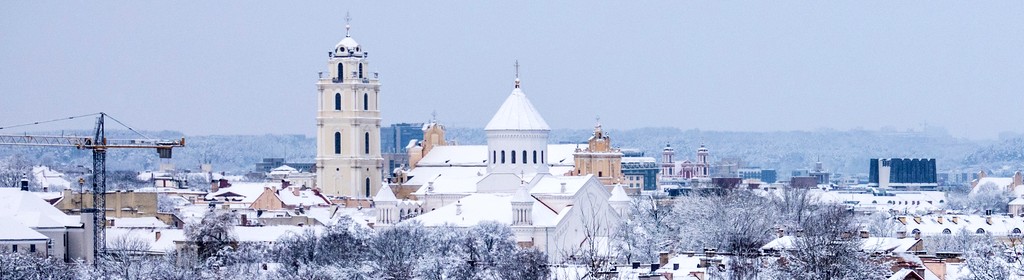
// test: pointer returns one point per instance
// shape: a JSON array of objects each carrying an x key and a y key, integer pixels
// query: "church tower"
[
  {"x": 517, "y": 144},
  {"x": 348, "y": 159}
]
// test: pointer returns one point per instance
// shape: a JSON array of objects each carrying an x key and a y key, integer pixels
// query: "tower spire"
[
  {"x": 348, "y": 22},
  {"x": 517, "y": 73}
]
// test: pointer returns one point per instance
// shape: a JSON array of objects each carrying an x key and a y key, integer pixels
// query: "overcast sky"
[{"x": 233, "y": 67}]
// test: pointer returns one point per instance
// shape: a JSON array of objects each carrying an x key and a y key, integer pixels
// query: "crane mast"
[{"x": 99, "y": 145}]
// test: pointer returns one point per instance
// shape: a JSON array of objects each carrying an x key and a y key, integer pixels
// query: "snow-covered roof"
[
  {"x": 553, "y": 184},
  {"x": 998, "y": 181},
  {"x": 11, "y": 229},
  {"x": 619, "y": 195},
  {"x": 517, "y": 113},
  {"x": 385, "y": 194},
  {"x": 1017, "y": 201},
  {"x": 284, "y": 170},
  {"x": 51, "y": 179},
  {"x": 32, "y": 211},
  {"x": 481, "y": 207},
  {"x": 902, "y": 201},
  {"x": 522, "y": 194},
  {"x": 305, "y": 198},
  {"x": 147, "y": 236},
  {"x": 938, "y": 224},
  {"x": 248, "y": 192},
  {"x": 140, "y": 222},
  {"x": 447, "y": 179}
]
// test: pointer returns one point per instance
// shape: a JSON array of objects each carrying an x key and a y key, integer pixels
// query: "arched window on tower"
[
  {"x": 513, "y": 156},
  {"x": 524, "y": 157},
  {"x": 337, "y": 101},
  {"x": 541, "y": 156},
  {"x": 366, "y": 102},
  {"x": 360, "y": 70},
  {"x": 341, "y": 71},
  {"x": 502, "y": 156},
  {"x": 367, "y": 187},
  {"x": 337, "y": 143},
  {"x": 534, "y": 156},
  {"x": 366, "y": 143},
  {"x": 494, "y": 156}
]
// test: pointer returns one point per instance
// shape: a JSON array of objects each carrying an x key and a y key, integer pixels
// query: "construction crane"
[{"x": 99, "y": 144}]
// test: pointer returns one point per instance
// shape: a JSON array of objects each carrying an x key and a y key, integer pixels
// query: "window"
[
  {"x": 513, "y": 156},
  {"x": 1016, "y": 231},
  {"x": 14, "y": 248},
  {"x": 980, "y": 231},
  {"x": 541, "y": 156},
  {"x": 366, "y": 102},
  {"x": 366, "y": 143},
  {"x": 341, "y": 71},
  {"x": 502, "y": 156},
  {"x": 600, "y": 174},
  {"x": 535, "y": 157},
  {"x": 367, "y": 187},
  {"x": 494, "y": 156},
  {"x": 337, "y": 102},
  {"x": 524, "y": 157},
  {"x": 32, "y": 248},
  {"x": 947, "y": 231},
  {"x": 337, "y": 143},
  {"x": 360, "y": 70}
]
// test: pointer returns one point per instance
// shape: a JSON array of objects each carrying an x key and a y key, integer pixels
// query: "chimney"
[
  {"x": 799, "y": 233},
  {"x": 245, "y": 220},
  {"x": 988, "y": 220},
  {"x": 285, "y": 184},
  {"x": 24, "y": 185},
  {"x": 780, "y": 233},
  {"x": 214, "y": 186},
  {"x": 295, "y": 191},
  {"x": 157, "y": 236},
  {"x": 901, "y": 234},
  {"x": 430, "y": 186},
  {"x": 917, "y": 235},
  {"x": 458, "y": 207},
  {"x": 46, "y": 189},
  {"x": 1018, "y": 179},
  {"x": 864, "y": 233},
  {"x": 662, "y": 258},
  {"x": 562, "y": 189}
]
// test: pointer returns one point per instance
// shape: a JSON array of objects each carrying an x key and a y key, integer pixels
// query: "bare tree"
[{"x": 828, "y": 250}]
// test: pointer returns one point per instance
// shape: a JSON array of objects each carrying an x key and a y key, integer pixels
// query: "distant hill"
[{"x": 840, "y": 151}]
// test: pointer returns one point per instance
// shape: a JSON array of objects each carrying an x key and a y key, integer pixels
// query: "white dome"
[
  {"x": 347, "y": 45},
  {"x": 517, "y": 113}
]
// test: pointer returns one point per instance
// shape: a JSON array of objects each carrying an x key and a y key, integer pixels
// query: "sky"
[{"x": 240, "y": 67}]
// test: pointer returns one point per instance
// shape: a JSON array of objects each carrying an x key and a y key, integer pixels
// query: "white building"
[
  {"x": 348, "y": 159},
  {"x": 30, "y": 224},
  {"x": 512, "y": 180}
]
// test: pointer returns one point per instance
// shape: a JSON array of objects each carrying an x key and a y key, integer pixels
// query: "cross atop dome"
[
  {"x": 517, "y": 73},
  {"x": 348, "y": 21}
]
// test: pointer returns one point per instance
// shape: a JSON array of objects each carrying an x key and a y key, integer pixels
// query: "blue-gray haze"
[{"x": 239, "y": 67}]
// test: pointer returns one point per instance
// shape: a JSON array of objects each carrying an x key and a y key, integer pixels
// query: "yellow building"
[{"x": 599, "y": 159}]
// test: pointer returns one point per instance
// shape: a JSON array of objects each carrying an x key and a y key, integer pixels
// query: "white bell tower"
[{"x": 348, "y": 159}]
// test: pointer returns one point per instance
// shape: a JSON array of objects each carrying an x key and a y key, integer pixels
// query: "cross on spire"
[
  {"x": 517, "y": 73},
  {"x": 348, "y": 21}
]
